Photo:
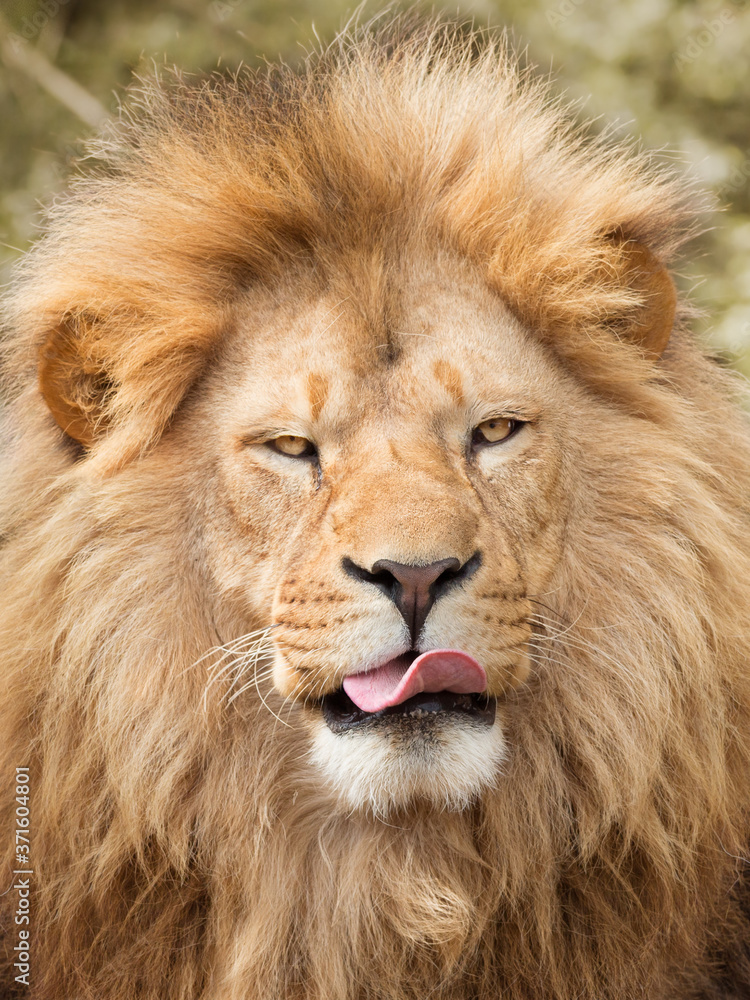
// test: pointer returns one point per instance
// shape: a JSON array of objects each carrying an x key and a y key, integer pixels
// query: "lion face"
[
  {"x": 389, "y": 490},
  {"x": 377, "y": 376}
]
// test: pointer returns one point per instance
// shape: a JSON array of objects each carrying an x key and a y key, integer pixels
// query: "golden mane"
[{"x": 169, "y": 832}]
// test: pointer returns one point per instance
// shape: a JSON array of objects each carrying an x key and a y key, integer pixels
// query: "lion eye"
[
  {"x": 295, "y": 447},
  {"x": 494, "y": 431}
]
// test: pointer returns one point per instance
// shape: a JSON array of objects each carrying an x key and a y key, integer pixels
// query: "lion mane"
[{"x": 182, "y": 844}]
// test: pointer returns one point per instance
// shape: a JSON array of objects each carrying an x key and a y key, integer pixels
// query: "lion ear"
[
  {"x": 651, "y": 327},
  {"x": 73, "y": 381}
]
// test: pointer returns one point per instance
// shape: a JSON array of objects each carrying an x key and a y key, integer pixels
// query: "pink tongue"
[{"x": 436, "y": 670}]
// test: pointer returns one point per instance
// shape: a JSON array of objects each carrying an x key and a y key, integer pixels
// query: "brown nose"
[{"x": 414, "y": 589}]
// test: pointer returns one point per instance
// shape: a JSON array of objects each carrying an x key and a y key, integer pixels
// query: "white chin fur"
[{"x": 378, "y": 770}]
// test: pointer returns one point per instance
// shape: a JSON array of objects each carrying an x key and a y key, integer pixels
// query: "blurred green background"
[{"x": 675, "y": 73}]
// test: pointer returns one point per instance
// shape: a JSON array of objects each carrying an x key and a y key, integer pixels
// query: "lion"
[{"x": 376, "y": 562}]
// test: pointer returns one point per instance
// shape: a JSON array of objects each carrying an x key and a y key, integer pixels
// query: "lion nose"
[{"x": 413, "y": 588}]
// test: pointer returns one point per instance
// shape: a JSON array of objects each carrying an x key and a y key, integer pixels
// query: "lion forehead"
[{"x": 439, "y": 340}]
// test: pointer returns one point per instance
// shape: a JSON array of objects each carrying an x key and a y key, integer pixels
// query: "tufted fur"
[{"x": 185, "y": 844}]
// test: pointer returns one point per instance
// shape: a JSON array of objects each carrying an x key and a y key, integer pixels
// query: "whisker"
[
  {"x": 583, "y": 645},
  {"x": 234, "y": 658},
  {"x": 242, "y": 664},
  {"x": 569, "y": 625},
  {"x": 260, "y": 695},
  {"x": 565, "y": 637}
]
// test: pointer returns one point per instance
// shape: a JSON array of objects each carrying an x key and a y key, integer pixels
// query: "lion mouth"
[
  {"x": 342, "y": 715},
  {"x": 418, "y": 688}
]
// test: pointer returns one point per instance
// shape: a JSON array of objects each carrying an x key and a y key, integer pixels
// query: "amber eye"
[
  {"x": 295, "y": 447},
  {"x": 493, "y": 431}
]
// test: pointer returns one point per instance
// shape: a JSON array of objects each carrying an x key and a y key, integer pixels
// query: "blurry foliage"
[{"x": 675, "y": 73}]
